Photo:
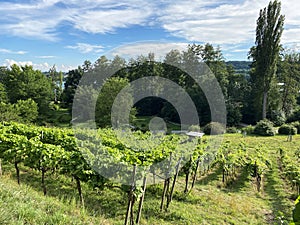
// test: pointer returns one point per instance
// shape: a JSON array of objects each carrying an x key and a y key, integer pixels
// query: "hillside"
[
  {"x": 240, "y": 65},
  {"x": 210, "y": 202}
]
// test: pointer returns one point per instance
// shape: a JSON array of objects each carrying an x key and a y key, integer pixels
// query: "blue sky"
[{"x": 65, "y": 33}]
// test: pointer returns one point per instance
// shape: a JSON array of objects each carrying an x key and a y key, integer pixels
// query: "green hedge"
[
  {"x": 264, "y": 128},
  {"x": 287, "y": 129}
]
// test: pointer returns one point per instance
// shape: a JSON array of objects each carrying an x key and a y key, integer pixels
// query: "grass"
[
  {"x": 142, "y": 123},
  {"x": 24, "y": 205},
  {"x": 208, "y": 203}
]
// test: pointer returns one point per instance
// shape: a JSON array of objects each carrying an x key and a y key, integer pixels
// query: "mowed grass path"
[{"x": 208, "y": 203}]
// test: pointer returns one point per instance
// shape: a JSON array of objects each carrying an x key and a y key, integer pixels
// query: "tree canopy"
[
  {"x": 265, "y": 54},
  {"x": 24, "y": 82}
]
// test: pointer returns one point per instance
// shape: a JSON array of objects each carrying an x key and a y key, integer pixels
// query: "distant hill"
[{"x": 240, "y": 65}]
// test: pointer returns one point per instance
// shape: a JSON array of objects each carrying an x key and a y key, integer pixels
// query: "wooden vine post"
[
  {"x": 131, "y": 200},
  {"x": 141, "y": 201},
  {"x": 43, "y": 180},
  {"x": 187, "y": 174},
  {"x": 17, "y": 170},
  {"x": 257, "y": 177},
  {"x": 195, "y": 174},
  {"x": 79, "y": 189},
  {"x": 193, "y": 135},
  {"x": 169, "y": 199},
  {"x": 166, "y": 185}
]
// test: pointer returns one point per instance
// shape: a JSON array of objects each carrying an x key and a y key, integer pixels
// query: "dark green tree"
[
  {"x": 71, "y": 82},
  {"x": 289, "y": 78},
  {"x": 27, "y": 110},
  {"x": 3, "y": 93},
  {"x": 265, "y": 54},
  {"x": 106, "y": 98},
  {"x": 214, "y": 59},
  {"x": 145, "y": 66},
  {"x": 24, "y": 111},
  {"x": 54, "y": 77},
  {"x": 87, "y": 66},
  {"x": 24, "y": 82}
]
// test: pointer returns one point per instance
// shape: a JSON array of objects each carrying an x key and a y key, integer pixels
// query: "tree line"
[{"x": 270, "y": 89}]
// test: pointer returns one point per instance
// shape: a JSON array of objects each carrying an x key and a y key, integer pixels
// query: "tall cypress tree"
[{"x": 265, "y": 53}]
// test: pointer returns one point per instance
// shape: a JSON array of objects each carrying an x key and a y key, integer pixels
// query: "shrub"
[
  {"x": 195, "y": 128},
  {"x": 24, "y": 111},
  {"x": 264, "y": 128},
  {"x": 214, "y": 128},
  {"x": 296, "y": 125},
  {"x": 232, "y": 130},
  {"x": 287, "y": 129},
  {"x": 249, "y": 129}
]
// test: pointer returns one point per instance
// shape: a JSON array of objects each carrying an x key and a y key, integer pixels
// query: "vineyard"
[{"x": 256, "y": 177}]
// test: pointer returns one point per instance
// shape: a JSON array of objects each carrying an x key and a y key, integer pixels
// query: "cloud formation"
[
  {"x": 225, "y": 22},
  {"x": 86, "y": 48},
  {"x": 42, "y": 19},
  {"x": 8, "y": 51},
  {"x": 45, "y": 57},
  {"x": 159, "y": 49},
  {"x": 38, "y": 66},
  {"x": 215, "y": 21}
]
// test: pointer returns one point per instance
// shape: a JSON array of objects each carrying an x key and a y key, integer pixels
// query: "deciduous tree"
[{"x": 265, "y": 53}]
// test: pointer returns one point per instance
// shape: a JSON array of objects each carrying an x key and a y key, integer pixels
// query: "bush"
[
  {"x": 264, "y": 128},
  {"x": 287, "y": 129},
  {"x": 249, "y": 129},
  {"x": 195, "y": 128},
  {"x": 232, "y": 130},
  {"x": 24, "y": 111},
  {"x": 214, "y": 128},
  {"x": 296, "y": 125}
]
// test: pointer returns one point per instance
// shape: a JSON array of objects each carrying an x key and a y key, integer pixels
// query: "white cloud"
[
  {"x": 240, "y": 50},
  {"x": 224, "y": 22},
  {"x": 159, "y": 49},
  {"x": 8, "y": 51},
  {"x": 215, "y": 21},
  {"x": 33, "y": 28},
  {"x": 86, "y": 48},
  {"x": 10, "y": 62},
  {"x": 108, "y": 21},
  {"x": 38, "y": 66},
  {"x": 41, "y": 19},
  {"x": 33, "y": 20},
  {"x": 45, "y": 57},
  {"x": 221, "y": 24},
  {"x": 65, "y": 68}
]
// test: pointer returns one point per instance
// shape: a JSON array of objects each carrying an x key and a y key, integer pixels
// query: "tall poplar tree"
[{"x": 265, "y": 53}]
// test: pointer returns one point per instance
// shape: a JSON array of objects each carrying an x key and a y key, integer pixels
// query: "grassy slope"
[
  {"x": 208, "y": 203},
  {"x": 142, "y": 122}
]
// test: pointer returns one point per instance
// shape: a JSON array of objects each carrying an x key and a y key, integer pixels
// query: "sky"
[{"x": 44, "y": 33}]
